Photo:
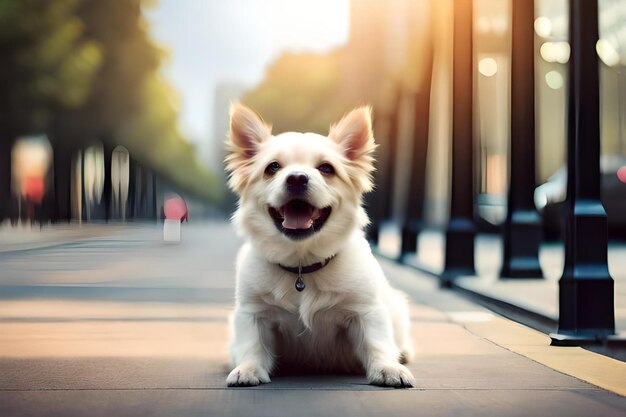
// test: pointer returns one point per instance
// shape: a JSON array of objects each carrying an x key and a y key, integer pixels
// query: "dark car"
[{"x": 550, "y": 198}]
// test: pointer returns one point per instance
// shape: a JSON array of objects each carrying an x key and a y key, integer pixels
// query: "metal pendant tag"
[{"x": 300, "y": 284}]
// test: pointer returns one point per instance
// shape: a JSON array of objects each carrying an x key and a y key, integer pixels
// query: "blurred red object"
[
  {"x": 175, "y": 208},
  {"x": 35, "y": 189},
  {"x": 621, "y": 174}
]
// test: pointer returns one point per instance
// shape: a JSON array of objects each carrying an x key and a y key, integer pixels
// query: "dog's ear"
[
  {"x": 247, "y": 132},
  {"x": 354, "y": 134}
]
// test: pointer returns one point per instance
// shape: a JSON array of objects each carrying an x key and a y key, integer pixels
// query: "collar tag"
[
  {"x": 299, "y": 281},
  {"x": 299, "y": 284}
]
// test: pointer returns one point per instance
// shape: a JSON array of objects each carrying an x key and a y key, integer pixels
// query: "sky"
[{"x": 213, "y": 41}]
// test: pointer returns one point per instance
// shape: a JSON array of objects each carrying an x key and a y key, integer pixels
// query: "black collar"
[
  {"x": 309, "y": 268},
  {"x": 299, "y": 270}
]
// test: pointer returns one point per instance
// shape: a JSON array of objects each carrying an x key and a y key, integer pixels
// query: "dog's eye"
[
  {"x": 272, "y": 168},
  {"x": 326, "y": 169}
]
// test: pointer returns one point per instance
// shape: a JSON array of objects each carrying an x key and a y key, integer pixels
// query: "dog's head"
[{"x": 299, "y": 192}]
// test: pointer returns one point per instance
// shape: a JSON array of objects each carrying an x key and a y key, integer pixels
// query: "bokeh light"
[
  {"x": 607, "y": 53},
  {"x": 543, "y": 26},
  {"x": 555, "y": 52},
  {"x": 488, "y": 67},
  {"x": 554, "y": 80}
]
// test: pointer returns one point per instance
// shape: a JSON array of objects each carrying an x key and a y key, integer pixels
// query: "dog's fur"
[{"x": 348, "y": 319}]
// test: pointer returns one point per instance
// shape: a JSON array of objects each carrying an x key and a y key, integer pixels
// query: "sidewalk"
[
  {"x": 538, "y": 297},
  {"x": 128, "y": 326},
  {"x": 26, "y": 237}
]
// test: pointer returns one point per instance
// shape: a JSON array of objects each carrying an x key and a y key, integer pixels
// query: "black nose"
[{"x": 297, "y": 182}]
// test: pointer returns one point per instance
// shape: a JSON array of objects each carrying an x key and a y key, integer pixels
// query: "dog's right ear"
[{"x": 247, "y": 132}]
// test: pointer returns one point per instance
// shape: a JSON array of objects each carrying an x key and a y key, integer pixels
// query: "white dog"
[{"x": 310, "y": 294}]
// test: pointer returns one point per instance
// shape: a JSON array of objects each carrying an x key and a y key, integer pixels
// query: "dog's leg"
[
  {"x": 250, "y": 356},
  {"x": 400, "y": 317},
  {"x": 377, "y": 350}
]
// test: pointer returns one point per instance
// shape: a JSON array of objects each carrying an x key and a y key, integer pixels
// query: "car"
[{"x": 550, "y": 198}]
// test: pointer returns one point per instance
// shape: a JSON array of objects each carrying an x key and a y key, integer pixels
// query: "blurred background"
[{"x": 107, "y": 108}]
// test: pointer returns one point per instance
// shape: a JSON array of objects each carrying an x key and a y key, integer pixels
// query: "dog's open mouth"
[{"x": 298, "y": 219}]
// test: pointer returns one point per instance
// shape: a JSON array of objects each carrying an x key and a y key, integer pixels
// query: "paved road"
[{"x": 123, "y": 324}]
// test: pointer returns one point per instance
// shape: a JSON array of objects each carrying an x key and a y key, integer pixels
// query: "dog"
[{"x": 310, "y": 296}]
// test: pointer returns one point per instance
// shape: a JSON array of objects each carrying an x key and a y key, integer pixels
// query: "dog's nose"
[{"x": 297, "y": 182}]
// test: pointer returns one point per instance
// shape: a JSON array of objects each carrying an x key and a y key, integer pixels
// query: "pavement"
[
  {"x": 27, "y": 236},
  {"x": 118, "y": 323},
  {"x": 537, "y": 297}
]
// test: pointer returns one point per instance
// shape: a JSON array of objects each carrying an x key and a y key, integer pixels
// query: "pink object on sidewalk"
[{"x": 175, "y": 208}]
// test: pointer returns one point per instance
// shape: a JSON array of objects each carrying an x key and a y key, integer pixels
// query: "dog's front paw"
[
  {"x": 390, "y": 375},
  {"x": 247, "y": 376}
]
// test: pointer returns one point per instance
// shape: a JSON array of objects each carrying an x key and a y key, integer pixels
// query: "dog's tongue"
[{"x": 298, "y": 215}]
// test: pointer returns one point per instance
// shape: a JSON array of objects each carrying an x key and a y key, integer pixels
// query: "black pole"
[
  {"x": 6, "y": 147},
  {"x": 522, "y": 227},
  {"x": 417, "y": 182},
  {"x": 586, "y": 297},
  {"x": 83, "y": 195},
  {"x": 460, "y": 233},
  {"x": 154, "y": 213},
  {"x": 394, "y": 125},
  {"x": 381, "y": 200},
  {"x": 62, "y": 160},
  {"x": 141, "y": 203},
  {"x": 46, "y": 212}
]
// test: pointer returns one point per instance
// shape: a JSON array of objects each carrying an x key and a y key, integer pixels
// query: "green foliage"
[
  {"x": 130, "y": 58},
  {"x": 48, "y": 61},
  {"x": 80, "y": 70},
  {"x": 300, "y": 92},
  {"x": 159, "y": 142}
]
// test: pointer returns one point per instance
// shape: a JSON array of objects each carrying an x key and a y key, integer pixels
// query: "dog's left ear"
[
  {"x": 247, "y": 132},
  {"x": 354, "y": 133}
]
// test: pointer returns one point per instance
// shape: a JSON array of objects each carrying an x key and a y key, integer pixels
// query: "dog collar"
[{"x": 305, "y": 270}]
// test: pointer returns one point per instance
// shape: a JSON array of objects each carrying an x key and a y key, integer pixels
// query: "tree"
[
  {"x": 300, "y": 92},
  {"x": 46, "y": 63},
  {"x": 85, "y": 70}
]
